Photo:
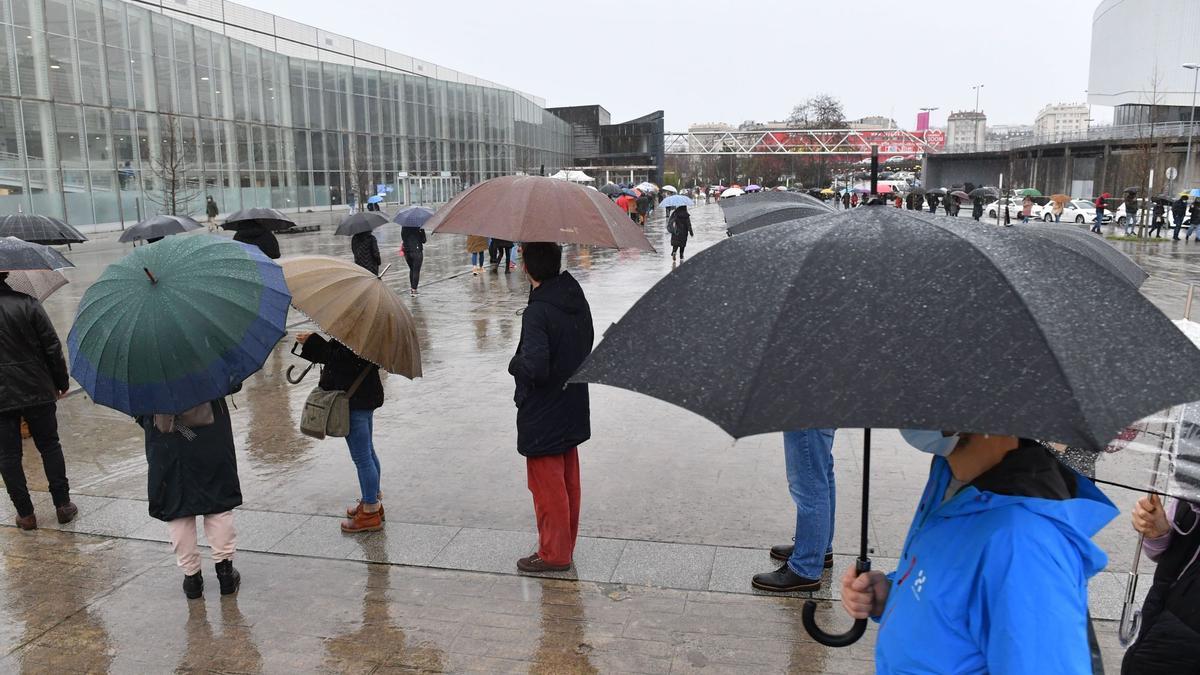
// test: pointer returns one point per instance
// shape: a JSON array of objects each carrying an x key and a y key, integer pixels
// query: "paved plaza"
[{"x": 676, "y": 515}]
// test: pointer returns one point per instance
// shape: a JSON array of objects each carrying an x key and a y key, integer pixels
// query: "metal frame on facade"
[{"x": 790, "y": 142}]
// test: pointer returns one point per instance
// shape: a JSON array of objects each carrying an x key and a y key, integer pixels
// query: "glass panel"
[
  {"x": 58, "y": 17},
  {"x": 8, "y": 66},
  {"x": 184, "y": 88},
  {"x": 99, "y": 143},
  {"x": 91, "y": 73},
  {"x": 64, "y": 80},
  {"x": 68, "y": 127},
  {"x": 32, "y": 72},
  {"x": 87, "y": 20},
  {"x": 104, "y": 196},
  {"x": 117, "y": 70},
  {"x": 44, "y": 187},
  {"x": 78, "y": 197},
  {"x": 114, "y": 24},
  {"x": 12, "y": 166}
]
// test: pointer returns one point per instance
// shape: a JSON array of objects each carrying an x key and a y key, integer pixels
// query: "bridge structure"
[{"x": 844, "y": 142}]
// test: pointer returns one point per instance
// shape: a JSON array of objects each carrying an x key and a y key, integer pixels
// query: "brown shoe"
[
  {"x": 66, "y": 513},
  {"x": 352, "y": 510},
  {"x": 363, "y": 521},
  {"x": 535, "y": 564},
  {"x": 28, "y": 522}
]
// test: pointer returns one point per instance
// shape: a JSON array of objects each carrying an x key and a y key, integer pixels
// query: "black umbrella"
[
  {"x": 1163, "y": 199},
  {"x": 882, "y": 317},
  {"x": 737, "y": 210},
  {"x": 17, "y": 255},
  {"x": 412, "y": 216},
  {"x": 916, "y": 190},
  {"x": 612, "y": 189},
  {"x": 777, "y": 215},
  {"x": 363, "y": 221},
  {"x": 158, "y": 227},
  {"x": 937, "y": 191},
  {"x": 1094, "y": 248},
  {"x": 1134, "y": 190},
  {"x": 984, "y": 193},
  {"x": 267, "y": 219},
  {"x": 39, "y": 229}
]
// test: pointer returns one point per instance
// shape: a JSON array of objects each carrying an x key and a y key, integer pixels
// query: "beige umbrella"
[
  {"x": 40, "y": 284},
  {"x": 357, "y": 309}
]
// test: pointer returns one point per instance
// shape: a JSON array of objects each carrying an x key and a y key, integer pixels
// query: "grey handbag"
[{"x": 327, "y": 412}]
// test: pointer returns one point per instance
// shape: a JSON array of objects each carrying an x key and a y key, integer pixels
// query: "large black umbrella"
[
  {"x": 779, "y": 214},
  {"x": 917, "y": 190},
  {"x": 611, "y": 190},
  {"x": 39, "y": 229},
  {"x": 414, "y": 216},
  {"x": 266, "y": 219},
  {"x": 881, "y": 317},
  {"x": 17, "y": 255},
  {"x": 984, "y": 193},
  {"x": 157, "y": 227},
  {"x": 737, "y": 211},
  {"x": 363, "y": 221},
  {"x": 1095, "y": 248}
]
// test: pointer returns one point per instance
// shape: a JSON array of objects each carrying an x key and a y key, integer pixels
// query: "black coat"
[
  {"x": 32, "y": 367},
  {"x": 1169, "y": 639},
  {"x": 263, "y": 238},
  {"x": 681, "y": 222},
  {"x": 413, "y": 238},
  {"x": 196, "y": 477},
  {"x": 342, "y": 368},
  {"x": 1178, "y": 208},
  {"x": 556, "y": 336},
  {"x": 365, "y": 248}
]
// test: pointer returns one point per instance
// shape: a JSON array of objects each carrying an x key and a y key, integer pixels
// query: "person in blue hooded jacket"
[{"x": 994, "y": 570}]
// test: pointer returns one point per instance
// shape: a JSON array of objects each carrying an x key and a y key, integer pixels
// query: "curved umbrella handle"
[
  {"x": 297, "y": 380},
  {"x": 809, "y": 616}
]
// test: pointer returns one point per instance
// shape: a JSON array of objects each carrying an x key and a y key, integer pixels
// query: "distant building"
[
  {"x": 872, "y": 122},
  {"x": 1061, "y": 118},
  {"x": 709, "y": 127},
  {"x": 1003, "y": 132},
  {"x": 627, "y": 151},
  {"x": 966, "y": 131}
]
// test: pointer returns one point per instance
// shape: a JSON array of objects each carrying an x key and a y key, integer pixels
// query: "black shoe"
[
  {"x": 784, "y": 580},
  {"x": 193, "y": 586},
  {"x": 228, "y": 577},
  {"x": 783, "y": 553}
]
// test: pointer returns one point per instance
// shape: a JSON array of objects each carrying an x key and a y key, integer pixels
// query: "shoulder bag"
[{"x": 327, "y": 412}]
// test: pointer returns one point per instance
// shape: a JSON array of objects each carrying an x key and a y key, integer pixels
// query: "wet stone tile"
[
  {"x": 403, "y": 544},
  {"x": 486, "y": 550},
  {"x": 667, "y": 565},
  {"x": 320, "y": 537}
]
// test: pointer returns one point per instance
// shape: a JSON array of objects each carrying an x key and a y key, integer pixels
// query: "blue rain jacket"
[{"x": 992, "y": 583}]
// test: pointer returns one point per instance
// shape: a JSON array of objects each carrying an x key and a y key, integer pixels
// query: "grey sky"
[{"x": 704, "y": 60}]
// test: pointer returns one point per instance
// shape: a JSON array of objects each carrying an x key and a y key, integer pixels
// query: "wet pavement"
[{"x": 676, "y": 515}]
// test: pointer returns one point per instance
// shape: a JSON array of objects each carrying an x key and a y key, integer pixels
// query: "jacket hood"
[
  {"x": 562, "y": 292},
  {"x": 1038, "y": 487}
]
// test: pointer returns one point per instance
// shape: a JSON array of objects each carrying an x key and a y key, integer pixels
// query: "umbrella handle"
[
  {"x": 297, "y": 380},
  {"x": 809, "y": 616},
  {"x": 1131, "y": 622}
]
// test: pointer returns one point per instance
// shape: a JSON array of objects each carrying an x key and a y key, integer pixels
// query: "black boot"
[
  {"x": 783, "y": 553},
  {"x": 784, "y": 580},
  {"x": 193, "y": 586},
  {"x": 228, "y": 577}
]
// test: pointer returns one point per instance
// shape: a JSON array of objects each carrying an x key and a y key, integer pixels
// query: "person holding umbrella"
[
  {"x": 1131, "y": 209},
  {"x": 260, "y": 237},
  {"x": 413, "y": 239},
  {"x": 211, "y": 210},
  {"x": 1193, "y": 219},
  {"x": 679, "y": 225},
  {"x": 1101, "y": 204},
  {"x": 477, "y": 246},
  {"x": 1156, "y": 223},
  {"x": 1178, "y": 213},
  {"x": 977, "y": 208}
]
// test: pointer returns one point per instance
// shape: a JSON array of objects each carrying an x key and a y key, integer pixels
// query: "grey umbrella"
[
  {"x": 267, "y": 219},
  {"x": 611, "y": 189},
  {"x": 157, "y": 227},
  {"x": 779, "y": 214},
  {"x": 984, "y": 192},
  {"x": 1093, "y": 247},
  {"x": 17, "y": 255},
  {"x": 882, "y": 317},
  {"x": 740, "y": 210},
  {"x": 39, "y": 229},
  {"x": 363, "y": 221}
]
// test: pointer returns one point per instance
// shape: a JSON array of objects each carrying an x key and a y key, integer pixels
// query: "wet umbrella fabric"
[
  {"x": 535, "y": 208},
  {"x": 374, "y": 199},
  {"x": 159, "y": 226},
  {"x": 412, "y": 216},
  {"x": 611, "y": 189},
  {"x": 267, "y": 219},
  {"x": 916, "y": 190},
  {"x": 960, "y": 194},
  {"x": 1060, "y": 198},
  {"x": 984, "y": 192},
  {"x": 20, "y": 255},
  {"x": 39, "y": 284},
  {"x": 774, "y": 216},
  {"x": 675, "y": 201},
  {"x": 1094, "y": 248},
  {"x": 177, "y": 323},
  {"x": 39, "y": 229},
  {"x": 357, "y": 309},
  {"x": 363, "y": 221},
  {"x": 1029, "y": 192}
]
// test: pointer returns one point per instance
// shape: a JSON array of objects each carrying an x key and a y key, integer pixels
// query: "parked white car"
[
  {"x": 1013, "y": 205},
  {"x": 1075, "y": 211},
  {"x": 1119, "y": 215}
]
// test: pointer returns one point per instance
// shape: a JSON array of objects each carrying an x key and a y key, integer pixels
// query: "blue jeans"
[
  {"x": 362, "y": 451},
  {"x": 808, "y": 454},
  {"x": 477, "y": 259},
  {"x": 1130, "y": 224}
]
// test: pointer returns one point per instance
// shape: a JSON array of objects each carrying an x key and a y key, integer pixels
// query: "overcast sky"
[{"x": 719, "y": 60}]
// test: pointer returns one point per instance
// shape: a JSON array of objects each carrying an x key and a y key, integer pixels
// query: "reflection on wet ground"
[{"x": 668, "y": 500}]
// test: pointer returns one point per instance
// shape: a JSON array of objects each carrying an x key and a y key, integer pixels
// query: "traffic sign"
[{"x": 1172, "y": 173}]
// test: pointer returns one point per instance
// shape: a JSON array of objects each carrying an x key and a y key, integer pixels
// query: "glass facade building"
[{"x": 94, "y": 94}]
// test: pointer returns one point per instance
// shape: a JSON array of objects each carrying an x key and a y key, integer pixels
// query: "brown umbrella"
[
  {"x": 357, "y": 309},
  {"x": 1061, "y": 198},
  {"x": 535, "y": 208}
]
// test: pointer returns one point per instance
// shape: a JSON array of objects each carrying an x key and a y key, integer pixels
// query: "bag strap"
[{"x": 357, "y": 381}]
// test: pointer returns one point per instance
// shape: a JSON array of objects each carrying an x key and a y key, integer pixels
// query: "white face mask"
[{"x": 930, "y": 441}]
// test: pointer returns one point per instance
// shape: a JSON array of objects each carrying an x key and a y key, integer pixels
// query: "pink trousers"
[{"x": 218, "y": 528}]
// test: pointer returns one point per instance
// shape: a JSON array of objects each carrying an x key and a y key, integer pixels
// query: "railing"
[{"x": 1109, "y": 133}]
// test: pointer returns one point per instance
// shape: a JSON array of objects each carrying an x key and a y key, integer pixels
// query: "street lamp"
[
  {"x": 977, "y": 88},
  {"x": 1187, "y": 159}
]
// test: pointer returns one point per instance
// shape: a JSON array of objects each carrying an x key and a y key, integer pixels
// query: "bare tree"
[
  {"x": 360, "y": 174},
  {"x": 1145, "y": 152},
  {"x": 822, "y": 111},
  {"x": 175, "y": 169}
]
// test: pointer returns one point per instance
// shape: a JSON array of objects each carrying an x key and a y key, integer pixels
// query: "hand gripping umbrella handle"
[{"x": 809, "y": 615}]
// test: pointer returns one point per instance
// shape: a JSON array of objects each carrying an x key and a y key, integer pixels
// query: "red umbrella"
[
  {"x": 625, "y": 201},
  {"x": 536, "y": 208}
]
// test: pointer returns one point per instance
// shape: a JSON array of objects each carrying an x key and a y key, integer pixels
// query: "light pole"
[
  {"x": 1187, "y": 160},
  {"x": 977, "y": 88}
]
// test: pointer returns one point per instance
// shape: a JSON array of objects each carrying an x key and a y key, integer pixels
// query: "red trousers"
[{"x": 554, "y": 482}]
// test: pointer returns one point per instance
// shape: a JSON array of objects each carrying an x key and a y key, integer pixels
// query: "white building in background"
[
  {"x": 1138, "y": 51},
  {"x": 1061, "y": 118},
  {"x": 966, "y": 131},
  {"x": 871, "y": 122}
]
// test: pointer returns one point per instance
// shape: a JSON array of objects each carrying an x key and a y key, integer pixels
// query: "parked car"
[
  {"x": 1076, "y": 211},
  {"x": 1013, "y": 205}
]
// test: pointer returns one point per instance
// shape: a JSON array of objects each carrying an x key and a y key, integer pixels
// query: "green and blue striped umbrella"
[{"x": 177, "y": 323}]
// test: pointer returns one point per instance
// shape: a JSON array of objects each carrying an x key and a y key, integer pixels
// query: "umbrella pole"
[
  {"x": 1130, "y": 624},
  {"x": 862, "y": 565}
]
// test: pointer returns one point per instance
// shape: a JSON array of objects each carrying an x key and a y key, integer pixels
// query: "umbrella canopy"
[
  {"x": 825, "y": 309},
  {"x": 374, "y": 199},
  {"x": 828, "y": 191},
  {"x": 1131, "y": 190},
  {"x": 20, "y": 255},
  {"x": 357, "y": 309},
  {"x": 791, "y": 213},
  {"x": 39, "y": 284},
  {"x": 675, "y": 201},
  {"x": 1195, "y": 192},
  {"x": 412, "y": 216},
  {"x": 732, "y": 192},
  {"x": 177, "y": 323},
  {"x": 780, "y": 188},
  {"x": 39, "y": 229},
  {"x": 647, "y": 187},
  {"x": 1028, "y": 192},
  {"x": 625, "y": 201},
  {"x": 363, "y": 221},
  {"x": 669, "y": 188},
  {"x": 611, "y": 189},
  {"x": 159, "y": 226},
  {"x": 984, "y": 193},
  {"x": 629, "y": 192},
  {"x": 1091, "y": 247},
  {"x": 916, "y": 190},
  {"x": 267, "y": 219},
  {"x": 738, "y": 211},
  {"x": 1060, "y": 198},
  {"x": 534, "y": 208},
  {"x": 1163, "y": 199},
  {"x": 960, "y": 194},
  {"x": 752, "y": 188},
  {"x": 937, "y": 191}
]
